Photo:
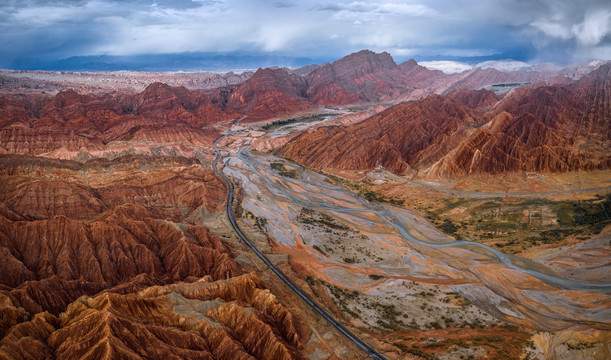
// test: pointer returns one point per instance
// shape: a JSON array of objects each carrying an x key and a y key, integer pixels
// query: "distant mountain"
[
  {"x": 361, "y": 77},
  {"x": 36, "y": 124},
  {"x": 163, "y": 62},
  {"x": 75, "y": 122},
  {"x": 539, "y": 128},
  {"x": 269, "y": 92}
]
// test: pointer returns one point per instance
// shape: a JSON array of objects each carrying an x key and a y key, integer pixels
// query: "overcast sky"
[{"x": 533, "y": 31}]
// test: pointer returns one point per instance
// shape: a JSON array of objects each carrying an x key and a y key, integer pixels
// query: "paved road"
[{"x": 360, "y": 343}]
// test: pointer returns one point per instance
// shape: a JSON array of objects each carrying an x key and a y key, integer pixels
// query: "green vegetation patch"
[
  {"x": 376, "y": 277},
  {"x": 280, "y": 123},
  {"x": 519, "y": 224},
  {"x": 312, "y": 217},
  {"x": 317, "y": 248},
  {"x": 282, "y": 170},
  {"x": 363, "y": 188},
  {"x": 341, "y": 296}
]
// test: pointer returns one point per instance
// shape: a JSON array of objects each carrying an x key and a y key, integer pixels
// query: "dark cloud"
[{"x": 533, "y": 30}]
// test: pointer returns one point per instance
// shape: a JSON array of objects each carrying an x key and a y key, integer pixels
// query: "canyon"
[{"x": 433, "y": 215}]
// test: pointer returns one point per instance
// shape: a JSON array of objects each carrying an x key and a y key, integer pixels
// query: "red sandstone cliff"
[
  {"x": 539, "y": 128},
  {"x": 403, "y": 136},
  {"x": 269, "y": 92},
  {"x": 74, "y": 122}
]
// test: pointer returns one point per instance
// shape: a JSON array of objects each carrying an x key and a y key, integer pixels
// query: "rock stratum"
[
  {"x": 362, "y": 77},
  {"x": 198, "y": 98},
  {"x": 546, "y": 128},
  {"x": 105, "y": 260},
  {"x": 73, "y": 122}
]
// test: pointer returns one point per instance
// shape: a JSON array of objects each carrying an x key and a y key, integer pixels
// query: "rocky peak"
[
  {"x": 69, "y": 97},
  {"x": 602, "y": 74},
  {"x": 408, "y": 65},
  {"x": 364, "y": 61},
  {"x": 269, "y": 92},
  {"x": 156, "y": 89}
]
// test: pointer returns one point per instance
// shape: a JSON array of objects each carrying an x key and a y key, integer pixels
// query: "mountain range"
[
  {"x": 560, "y": 127},
  {"x": 438, "y": 125},
  {"x": 104, "y": 191}
]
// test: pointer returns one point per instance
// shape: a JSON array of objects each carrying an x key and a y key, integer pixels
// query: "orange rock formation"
[{"x": 539, "y": 128}]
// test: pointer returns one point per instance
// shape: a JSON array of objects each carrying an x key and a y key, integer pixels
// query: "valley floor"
[{"x": 364, "y": 259}]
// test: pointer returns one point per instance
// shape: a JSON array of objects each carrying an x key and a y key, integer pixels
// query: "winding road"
[{"x": 360, "y": 343}]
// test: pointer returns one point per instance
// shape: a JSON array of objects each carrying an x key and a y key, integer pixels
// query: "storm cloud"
[{"x": 533, "y": 31}]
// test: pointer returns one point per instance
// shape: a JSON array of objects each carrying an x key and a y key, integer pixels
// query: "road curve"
[{"x": 360, "y": 343}]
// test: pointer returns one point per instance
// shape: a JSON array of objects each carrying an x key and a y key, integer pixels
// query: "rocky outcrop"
[
  {"x": 12, "y": 113},
  {"x": 62, "y": 239},
  {"x": 104, "y": 260},
  {"x": 480, "y": 99},
  {"x": 166, "y": 134},
  {"x": 539, "y": 128},
  {"x": 163, "y": 191},
  {"x": 403, "y": 136},
  {"x": 70, "y": 122},
  {"x": 269, "y": 92},
  {"x": 69, "y": 110},
  {"x": 224, "y": 319},
  {"x": 360, "y": 77},
  {"x": 44, "y": 199},
  {"x": 545, "y": 128},
  {"x": 509, "y": 144},
  {"x": 175, "y": 105},
  {"x": 28, "y": 340},
  {"x": 26, "y": 140},
  {"x": 110, "y": 250}
]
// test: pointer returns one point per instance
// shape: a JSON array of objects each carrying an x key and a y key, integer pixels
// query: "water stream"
[{"x": 318, "y": 200}]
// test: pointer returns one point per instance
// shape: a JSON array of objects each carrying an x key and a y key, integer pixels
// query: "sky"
[{"x": 562, "y": 31}]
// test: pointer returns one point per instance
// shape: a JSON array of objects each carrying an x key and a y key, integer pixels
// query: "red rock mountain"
[
  {"x": 360, "y": 77},
  {"x": 269, "y": 92},
  {"x": 548, "y": 128},
  {"x": 224, "y": 319},
  {"x": 544, "y": 128},
  {"x": 480, "y": 99},
  {"x": 75, "y": 122},
  {"x": 176, "y": 104},
  {"x": 398, "y": 138},
  {"x": 105, "y": 260}
]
